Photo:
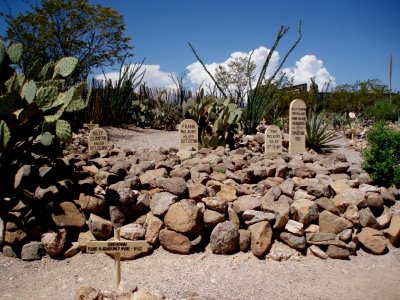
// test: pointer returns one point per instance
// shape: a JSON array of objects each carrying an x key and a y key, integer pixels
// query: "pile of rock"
[{"x": 231, "y": 201}]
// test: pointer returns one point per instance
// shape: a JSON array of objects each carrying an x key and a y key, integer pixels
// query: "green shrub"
[
  {"x": 382, "y": 158},
  {"x": 320, "y": 134},
  {"x": 383, "y": 110}
]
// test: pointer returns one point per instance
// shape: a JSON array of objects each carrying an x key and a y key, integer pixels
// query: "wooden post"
[{"x": 117, "y": 258}]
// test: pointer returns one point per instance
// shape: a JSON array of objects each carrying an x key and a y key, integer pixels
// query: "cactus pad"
[
  {"x": 5, "y": 135},
  {"x": 29, "y": 91},
  {"x": 65, "y": 66},
  {"x": 63, "y": 131},
  {"x": 46, "y": 138},
  {"x": 76, "y": 105},
  {"x": 46, "y": 72},
  {"x": 45, "y": 97},
  {"x": 2, "y": 51},
  {"x": 14, "y": 52}
]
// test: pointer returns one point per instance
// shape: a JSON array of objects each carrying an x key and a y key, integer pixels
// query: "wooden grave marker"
[
  {"x": 189, "y": 135},
  {"x": 98, "y": 140},
  {"x": 297, "y": 126},
  {"x": 116, "y": 247},
  {"x": 273, "y": 140}
]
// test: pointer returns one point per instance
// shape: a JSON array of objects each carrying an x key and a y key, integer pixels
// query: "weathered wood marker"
[{"x": 116, "y": 247}]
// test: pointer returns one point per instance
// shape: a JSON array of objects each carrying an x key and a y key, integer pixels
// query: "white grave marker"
[
  {"x": 98, "y": 140},
  {"x": 189, "y": 134},
  {"x": 273, "y": 140},
  {"x": 117, "y": 246},
  {"x": 297, "y": 126}
]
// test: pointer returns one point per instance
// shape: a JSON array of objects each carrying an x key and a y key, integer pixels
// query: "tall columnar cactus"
[{"x": 36, "y": 102}]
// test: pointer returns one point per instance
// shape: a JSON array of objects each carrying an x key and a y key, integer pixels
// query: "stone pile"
[{"x": 184, "y": 201}]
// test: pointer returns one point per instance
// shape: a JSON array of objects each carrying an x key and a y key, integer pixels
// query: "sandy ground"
[{"x": 239, "y": 276}]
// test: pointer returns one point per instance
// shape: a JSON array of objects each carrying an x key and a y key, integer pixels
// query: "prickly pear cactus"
[
  {"x": 5, "y": 135},
  {"x": 63, "y": 131},
  {"x": 65, "y": 66},
  {"x": 14, "y": 52},
  {"x": 28, "y": 91}
]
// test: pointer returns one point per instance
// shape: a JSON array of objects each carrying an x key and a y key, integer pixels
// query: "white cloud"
[
  {"x": 153, "y": 77},
  {"x": 197, "y": 76},
  {"x": 307, "y": 67}
]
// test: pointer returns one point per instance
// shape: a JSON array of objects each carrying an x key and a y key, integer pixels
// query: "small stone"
[
  {"x": 145, "y": 295},
  {"x": 100, "y": 227},
  {"x": 337, "y": 252},
  {"x": 32, "y": 251},
  {"x": 161, "y": 202},
  {"x": 211, "y": 218},
  {"x": 345, "y": 235},
  {"x": 72, "y": 251},
  {"x": 88, "y": 293},
  {"x": 318, "y": 252},
  {"x": 8, "y": 251},
  {"x": 232, "y": 216},
  {"x": 255, "y": 216},
  {"x": 244, "y": 240},
  {"x": 287, "y": 187},
  {"x": 152, "y": 226},
  {"x": 132, "y": 232},
  {"x": 295, "y": 227},
  {"x": 294, "y": 241}
]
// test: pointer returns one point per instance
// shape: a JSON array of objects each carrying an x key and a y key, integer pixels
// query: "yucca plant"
[{"x": 320, "y": 133}]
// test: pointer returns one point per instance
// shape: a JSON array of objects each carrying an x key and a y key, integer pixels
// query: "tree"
[
  {"x": 235, "y": 77},
  {"x": 94, "y": 34}
]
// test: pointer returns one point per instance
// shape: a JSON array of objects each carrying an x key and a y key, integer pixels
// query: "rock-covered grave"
[{"x": 185, "y": 201}]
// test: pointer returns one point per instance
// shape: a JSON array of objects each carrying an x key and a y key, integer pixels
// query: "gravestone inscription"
[
  {"x": 188, "y": 135},
  {"x": 273, "y": 140},
  {"x": 98, "y": 140},
  {"x": 297, "y": 126}
]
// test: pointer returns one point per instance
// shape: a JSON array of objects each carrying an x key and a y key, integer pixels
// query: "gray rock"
[
  {"x": 132, "y": 232},
  {"x": 294, "y": 241},
  {"x": 295, "y": 227},
  {"x": 161, "y": 202},
  {"x": 247, "y": 202},
  {"x": 211, "y": 218},
  {"x": 100, "y": 227},
  {"x": 318, "y": 252},
  {"x": 32, "y": 251},
  {"x": 174, "y": 185},
  {"x": 367, "y": 219},
  {"x": 255, "y": 216},
  {"x": 8, "y": 251},
  {"x": 337, "y": 252},
  {"x": 287, "y": 187},
  {"x": 152, "y": 226},
  {"x": 224, "y": 238}
]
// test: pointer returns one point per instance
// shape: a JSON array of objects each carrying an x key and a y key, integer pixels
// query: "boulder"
[
  {"x": 367, "y": 218},
  {"x": 53, "y": 242},
  {"x": 393, "y": 232},
  {"x": 160, "y": 203},
  {"x": 174, "y": 185},
  {"x": 224, "y": 238},
  {"x": 247, "y": 202},
  {"x": 32, "y": 251},
  {"x": 304, "y": 211},
  {"x": 211, "y": 218},
  {"x": 337, "y": 252},
  {"x": 132, "y": 232},
  {"x": 261, "y": 238},
  {"x": 101, "y": 228},
  {"x": 184, "y": 217},
  {"x": 68, "y": 215},
  {"x": 329, "y": 222},
  {"x": 174, "y": 242},
  {"x": 152, "y": 226},
  {"x": 373, "y": 240},
  {"x": 294, "y": 241}
]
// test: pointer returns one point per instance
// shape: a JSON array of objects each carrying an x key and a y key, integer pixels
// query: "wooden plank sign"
[{"x": 117, "y": 246}]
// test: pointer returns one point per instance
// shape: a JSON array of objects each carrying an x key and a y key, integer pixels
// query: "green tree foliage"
[
  {"x": 382, "y": 158},
  {"x": 355, "y": 97},
  {"x": 234, "y": 78},
  {"x": 94, "y": 34}
]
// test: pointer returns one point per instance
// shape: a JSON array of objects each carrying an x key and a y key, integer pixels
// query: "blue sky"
[{"x": 343, "y": 40}]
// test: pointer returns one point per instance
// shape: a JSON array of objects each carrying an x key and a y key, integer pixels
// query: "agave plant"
[{"x": 320, "y": 133}]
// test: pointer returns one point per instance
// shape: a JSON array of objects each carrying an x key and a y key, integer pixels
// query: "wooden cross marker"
[{"x": 117, "y": 246}]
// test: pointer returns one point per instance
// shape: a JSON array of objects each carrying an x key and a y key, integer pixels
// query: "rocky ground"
[{"x": 238, "y": 276}]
